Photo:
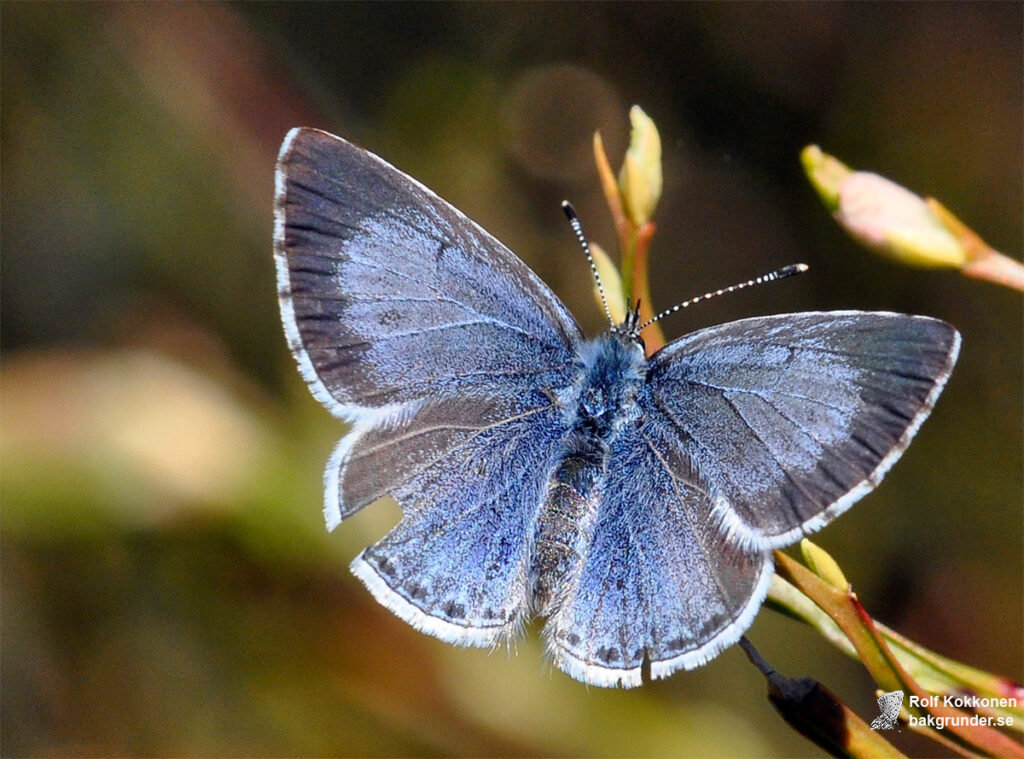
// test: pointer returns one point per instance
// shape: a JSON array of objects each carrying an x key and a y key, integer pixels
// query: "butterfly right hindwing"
[
  {"x": 659, "y": 581},
  {"x": 470, "y": 476}
]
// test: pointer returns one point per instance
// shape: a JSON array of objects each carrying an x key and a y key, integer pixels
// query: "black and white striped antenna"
[
  {"x": 785, "y": 271},
  {"x": 574, "y": 222},
  {"x": 631, "y": 316}
]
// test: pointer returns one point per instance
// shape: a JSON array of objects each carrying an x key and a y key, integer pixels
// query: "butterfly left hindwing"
[{"x": 660, "y": 582}]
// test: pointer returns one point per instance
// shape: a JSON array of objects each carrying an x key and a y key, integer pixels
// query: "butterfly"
[
  {"x": 889, "y": 705},
  {"x": 631, "y": 502}
]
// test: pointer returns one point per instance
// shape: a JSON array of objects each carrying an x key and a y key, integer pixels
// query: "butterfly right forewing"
[
  {"x": 389, "y": 294},
  {"x": 792, "y": 418}
]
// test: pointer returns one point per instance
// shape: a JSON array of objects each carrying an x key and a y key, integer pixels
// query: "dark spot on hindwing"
[
  {"x": 453, "y": 610},
  {"x": 389, "y": 318},
  {"x": 416, "y": 591},
  {"x": 386, "y": 567}
]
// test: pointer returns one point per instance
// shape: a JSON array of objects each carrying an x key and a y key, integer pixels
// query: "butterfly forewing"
[
  {"x": 389, "y": 294},
  {"x": 791, "y": 418}
]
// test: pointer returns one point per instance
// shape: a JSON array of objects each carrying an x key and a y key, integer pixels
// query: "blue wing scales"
[
  {"x": 790, "y": 419},
  {"x": 469, "y": 476}
]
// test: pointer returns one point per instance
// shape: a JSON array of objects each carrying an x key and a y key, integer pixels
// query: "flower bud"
[
  {"x": 822, "y": 564},
  {"x": 826, "y": 172},
  {"x": 640, "y": 177},
  {"x": 892, "y": 220},
  {"x": 611, "y": 281},
  {"x": 882, "y": 215}
]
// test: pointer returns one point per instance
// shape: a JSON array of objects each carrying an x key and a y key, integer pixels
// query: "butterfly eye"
[
  {"x": 593, "y": 401},
  {"x": 637, "y": 340}
]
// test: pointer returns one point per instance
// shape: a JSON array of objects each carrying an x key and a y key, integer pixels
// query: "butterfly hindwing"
[
  {"x": 469, "y": 475},
  {"x": 792, "y": 418},
  {"x": 659, "y": 582}
]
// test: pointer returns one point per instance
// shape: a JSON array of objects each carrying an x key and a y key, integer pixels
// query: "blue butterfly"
[{"x": 633, "y": 502}]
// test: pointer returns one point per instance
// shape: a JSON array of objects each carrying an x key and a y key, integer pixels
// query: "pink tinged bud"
[{"x": 895, "y": 222}]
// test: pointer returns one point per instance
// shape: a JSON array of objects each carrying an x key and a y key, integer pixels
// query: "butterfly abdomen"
[{"x": 565, "y": 526}]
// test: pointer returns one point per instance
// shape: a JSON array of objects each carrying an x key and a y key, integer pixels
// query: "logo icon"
[{"x": 889, "y": 704}]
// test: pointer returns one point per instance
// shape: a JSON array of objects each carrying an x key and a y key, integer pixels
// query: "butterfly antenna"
[
  {"x": 785, "y": 271},
  {"x": 574, "y": 222}
]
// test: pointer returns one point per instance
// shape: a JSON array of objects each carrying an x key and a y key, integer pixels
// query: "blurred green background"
[{"x": 168, "y": 587}]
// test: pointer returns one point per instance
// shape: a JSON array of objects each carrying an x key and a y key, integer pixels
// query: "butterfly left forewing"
[
  {"x": 389, "y": 294},
  {"x": 792, "y": 418}
]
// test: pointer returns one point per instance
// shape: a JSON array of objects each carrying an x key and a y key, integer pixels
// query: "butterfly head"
[
  {"x": 614, "y": 368},
  {"x": 629, "y": 329}
]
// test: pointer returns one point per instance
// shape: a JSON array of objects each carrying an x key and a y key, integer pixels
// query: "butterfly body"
[
  {"x": 633, "y": 502},
  {"x": 600, "y": 403}
]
